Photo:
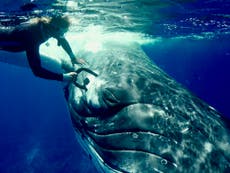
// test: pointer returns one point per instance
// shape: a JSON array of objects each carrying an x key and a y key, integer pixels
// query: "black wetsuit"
[{"x": 28, "y": 37}]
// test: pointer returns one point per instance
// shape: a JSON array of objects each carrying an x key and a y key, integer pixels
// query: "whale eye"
[
  {"x": 118, "y": 97},
  {"x": 109, "y": 98}
]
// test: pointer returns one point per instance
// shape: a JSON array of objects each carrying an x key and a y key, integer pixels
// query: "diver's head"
[
  {"x": 60, "y": 24},
  {"x": 60, "y": 21}
]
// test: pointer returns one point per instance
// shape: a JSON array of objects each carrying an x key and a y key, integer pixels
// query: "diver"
[{"x": 28, "y": 37}]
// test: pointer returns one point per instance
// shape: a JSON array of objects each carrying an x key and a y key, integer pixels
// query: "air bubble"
[
  {"x": 135, "y": 136},
  {"x": 164, "y": 162}
]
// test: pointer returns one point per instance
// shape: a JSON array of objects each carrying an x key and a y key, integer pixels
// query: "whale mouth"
[
  {"x": 117, "y": 147},
  {"x": 121, "y": 137}
]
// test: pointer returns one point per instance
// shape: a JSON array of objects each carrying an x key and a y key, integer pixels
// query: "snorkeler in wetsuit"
[{"x": 30, "y": 35}]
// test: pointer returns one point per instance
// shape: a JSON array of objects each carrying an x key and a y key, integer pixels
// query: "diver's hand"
[
  {"x": 78, "y": 61},
  {"x": 69, "y": 76}
]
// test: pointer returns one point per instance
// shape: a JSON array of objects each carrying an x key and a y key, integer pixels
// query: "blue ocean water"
[
  {"x": 36, "y": 136},
  {"x": 200, "y": 65},
  {"x": 36, "y": 131}
]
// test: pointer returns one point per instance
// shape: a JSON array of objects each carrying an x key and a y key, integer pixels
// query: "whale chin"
[{"x": 126, "y": 140}]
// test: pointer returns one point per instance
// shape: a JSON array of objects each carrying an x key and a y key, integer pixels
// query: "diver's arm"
[
  {"x": 65, "y": 45},
  {"x": 35, "y": 65}
]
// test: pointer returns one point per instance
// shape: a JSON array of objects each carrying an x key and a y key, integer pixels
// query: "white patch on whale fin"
[
  {"x": 49, "y": 59},
  {"x": 18, "y": 59}
]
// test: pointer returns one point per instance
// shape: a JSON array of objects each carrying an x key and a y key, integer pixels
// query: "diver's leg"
[
  {"x": 11, "y": 46},
  {"x": 8, "y": 42}
]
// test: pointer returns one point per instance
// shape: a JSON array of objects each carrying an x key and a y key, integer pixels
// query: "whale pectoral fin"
[{"x": 66, "y": 65}]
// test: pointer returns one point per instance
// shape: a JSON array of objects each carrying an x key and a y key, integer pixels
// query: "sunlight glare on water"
[{"x": 93, "y": 39}]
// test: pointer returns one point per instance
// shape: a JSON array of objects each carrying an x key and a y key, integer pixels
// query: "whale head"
[{"x": 133, "y": 117}]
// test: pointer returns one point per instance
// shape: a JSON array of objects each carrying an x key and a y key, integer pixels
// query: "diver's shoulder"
[
  {"x": 30, "y": 22},
  {"x": 35, "y": 21}
]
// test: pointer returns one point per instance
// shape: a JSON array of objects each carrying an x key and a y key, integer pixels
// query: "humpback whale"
[{"x": 133, "y": 117}]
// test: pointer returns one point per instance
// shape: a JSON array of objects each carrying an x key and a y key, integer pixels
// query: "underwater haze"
[{"x": 189, "y": 40}]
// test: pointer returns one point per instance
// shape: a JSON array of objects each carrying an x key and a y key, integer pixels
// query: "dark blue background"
[
  {"x": 36, "y": 133},
  {"x": 202, "y": 66}
]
